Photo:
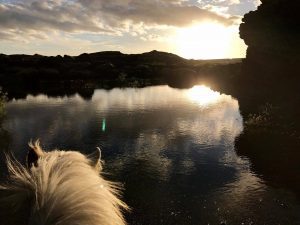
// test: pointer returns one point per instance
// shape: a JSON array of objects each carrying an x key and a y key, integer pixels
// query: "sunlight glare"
[
  {"x": 207, "y": 41},
  {"x": 202, "y": 95}
]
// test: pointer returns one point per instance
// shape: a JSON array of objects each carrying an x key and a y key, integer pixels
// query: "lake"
[{"x": 173, "y": 150}]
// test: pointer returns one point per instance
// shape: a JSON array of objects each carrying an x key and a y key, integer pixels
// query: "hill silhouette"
[{"x": 111, "y": 68}]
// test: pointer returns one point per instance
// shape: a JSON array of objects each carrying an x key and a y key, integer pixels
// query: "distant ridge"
[
  {"x": 115, "y": 56},
  {"x": 112, "y": 68},
  {"x": 154, "y": 54}
]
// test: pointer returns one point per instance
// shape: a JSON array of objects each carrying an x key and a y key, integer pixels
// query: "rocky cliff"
[{"x": 272, "y": 34}]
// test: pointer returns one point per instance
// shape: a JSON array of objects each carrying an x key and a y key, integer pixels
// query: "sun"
[{"x": 208, "y": 41}]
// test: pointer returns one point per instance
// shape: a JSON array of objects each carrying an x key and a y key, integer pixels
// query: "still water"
[{"x": 173, "y": 151}]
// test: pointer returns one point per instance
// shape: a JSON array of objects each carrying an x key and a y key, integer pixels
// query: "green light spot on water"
[{"x": 103, "y": 125}]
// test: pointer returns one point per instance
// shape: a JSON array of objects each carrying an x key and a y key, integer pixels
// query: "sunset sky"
[{"x": 199, "y": 29}]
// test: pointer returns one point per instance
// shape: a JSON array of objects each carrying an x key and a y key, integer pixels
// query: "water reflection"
[
  {"x": 203, "y": 95},
  {"x": 173, "y": 150}
]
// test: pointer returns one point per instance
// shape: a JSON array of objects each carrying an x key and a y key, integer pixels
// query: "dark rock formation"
[
  {"x": 272, "y": 34},
  {"x": 271, "y": 70},
  {"x": 269, "y": 92}
]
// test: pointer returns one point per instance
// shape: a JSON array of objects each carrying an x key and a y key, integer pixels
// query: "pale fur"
[{"x": 64, "y": 189}]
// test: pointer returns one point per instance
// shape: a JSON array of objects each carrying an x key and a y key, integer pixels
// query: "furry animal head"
[
  {"x": 59, "y": 188},
  {"x": 36, "y": 153}
]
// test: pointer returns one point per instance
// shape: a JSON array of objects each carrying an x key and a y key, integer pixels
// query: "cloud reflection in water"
[{"x": 173, "y": 149}]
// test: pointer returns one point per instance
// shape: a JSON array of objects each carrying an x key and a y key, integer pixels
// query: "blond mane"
[{"x": 62, "y": 188}]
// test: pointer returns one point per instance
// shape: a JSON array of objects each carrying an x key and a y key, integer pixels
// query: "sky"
[{"x": 198, "y": 29}]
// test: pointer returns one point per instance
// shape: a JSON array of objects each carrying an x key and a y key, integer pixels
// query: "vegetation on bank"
[
  {"x": 4, "y": 135},
  {"x": 2, "y": 105}
]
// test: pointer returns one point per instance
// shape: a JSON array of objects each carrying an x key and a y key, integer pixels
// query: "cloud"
[
  {"x": 46, "y": 16},
  {"x": 167, "y": 12},
  {"x": 229, "y": 7},
  {"x": 221, "y": 10},
  {"x": 257, "y": 2},
  {"x": 234, "y": 2},
  {"x": 97, "y": 16}
]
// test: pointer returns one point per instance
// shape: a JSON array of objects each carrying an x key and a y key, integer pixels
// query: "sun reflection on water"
[
  {"x": 156, "y": 139},
  {"x": 203, "y": 95}
]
